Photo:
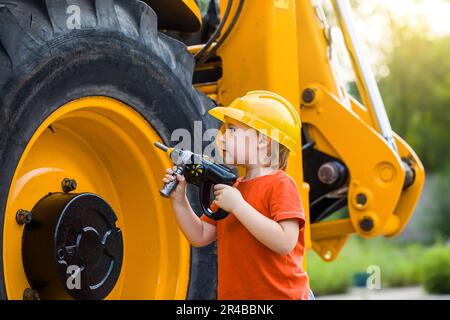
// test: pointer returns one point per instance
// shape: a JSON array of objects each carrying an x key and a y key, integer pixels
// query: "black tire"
[{"x": 119, "y": 53}]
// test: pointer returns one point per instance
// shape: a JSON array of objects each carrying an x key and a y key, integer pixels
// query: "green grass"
[{"x": 400, "y": 265}]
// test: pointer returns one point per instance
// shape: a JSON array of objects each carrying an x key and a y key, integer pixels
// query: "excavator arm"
[{"x": 350, "y": 155}]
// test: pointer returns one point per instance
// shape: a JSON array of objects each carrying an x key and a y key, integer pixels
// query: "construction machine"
[{"x": 88, "y": 86}]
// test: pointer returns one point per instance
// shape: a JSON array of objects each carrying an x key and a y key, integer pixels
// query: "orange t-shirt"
[{"x": 247, "y": 269}]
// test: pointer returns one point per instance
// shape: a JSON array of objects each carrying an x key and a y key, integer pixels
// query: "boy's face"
[{"x": 241, "y": 144}]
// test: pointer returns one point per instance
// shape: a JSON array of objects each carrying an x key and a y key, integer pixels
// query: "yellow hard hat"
[{"x": 266, "y": 112}]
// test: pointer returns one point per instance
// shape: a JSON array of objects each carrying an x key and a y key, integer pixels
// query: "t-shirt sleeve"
[
  {"x": 285, "y": 202},
  {"x": 205, "y": 218}
]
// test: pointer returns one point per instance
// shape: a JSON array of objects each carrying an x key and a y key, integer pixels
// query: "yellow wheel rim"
[{"x": 107, "y": 147}]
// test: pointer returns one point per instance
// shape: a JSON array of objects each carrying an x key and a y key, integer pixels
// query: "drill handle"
[
  {"x": 170, "y": 186},
  {"x": 210, "y": 210}
]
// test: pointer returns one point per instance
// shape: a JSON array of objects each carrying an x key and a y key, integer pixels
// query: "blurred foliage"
[
  {"x": 413, "y": 70},
  {"x": 414, "y": 80},
  {"x": 438, "y": 218},
  {"x": 417, "y": 93},
  {"x": 435, "y": 270},
  {"x": 399, "y": 265}
]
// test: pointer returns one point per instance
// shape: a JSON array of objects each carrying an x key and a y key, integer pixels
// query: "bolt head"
[
  {"x": 308, "y": 95},
  {"x": 328, "y": 173},
  {"x": 366, "y": 224},
  {"x": 361, "y": 199}
]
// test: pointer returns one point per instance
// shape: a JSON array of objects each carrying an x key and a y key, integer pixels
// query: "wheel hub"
[
  {"x": 62, "y": 149},
  {"x": 72, "y": 247}
]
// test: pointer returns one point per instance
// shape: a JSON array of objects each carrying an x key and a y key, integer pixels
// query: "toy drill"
[{"x": 201, "y": 172}]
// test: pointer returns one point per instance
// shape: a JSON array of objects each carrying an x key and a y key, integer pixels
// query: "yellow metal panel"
[{"x": 180, "y": 15}]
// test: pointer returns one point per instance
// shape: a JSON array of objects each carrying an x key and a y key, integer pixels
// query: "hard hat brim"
[{"x": 253, "y": 122}]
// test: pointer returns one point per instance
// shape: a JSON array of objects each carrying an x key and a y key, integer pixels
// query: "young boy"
[{"x": 260, "y": 245}]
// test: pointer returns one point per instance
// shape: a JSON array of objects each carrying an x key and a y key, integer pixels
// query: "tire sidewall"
[{"x": 96, "y": 63}]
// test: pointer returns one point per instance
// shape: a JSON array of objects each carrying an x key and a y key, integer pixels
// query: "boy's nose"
[{"x": 220, "y": 141}]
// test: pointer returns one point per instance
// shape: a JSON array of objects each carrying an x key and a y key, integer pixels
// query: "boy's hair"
[
  {"x": 284, "y": 155},
  {"x": 280, "y": 156}
]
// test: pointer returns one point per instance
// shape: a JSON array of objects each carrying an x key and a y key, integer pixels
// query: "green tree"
[{"x": 417, "y": 92}]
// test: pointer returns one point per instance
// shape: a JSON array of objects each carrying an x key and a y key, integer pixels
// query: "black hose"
[
  {"x": 225, "y": 35},
  {"x": 216, "y": 33}
]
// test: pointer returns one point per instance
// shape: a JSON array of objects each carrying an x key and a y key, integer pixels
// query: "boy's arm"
[
  {"x": 198, "y": 232},
  {"x": 280, "y": 231},
  {"x": 280, "y": 237}
]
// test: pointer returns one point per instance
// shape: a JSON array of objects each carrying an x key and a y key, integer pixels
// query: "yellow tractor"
[{"x": 88, "y": 86}]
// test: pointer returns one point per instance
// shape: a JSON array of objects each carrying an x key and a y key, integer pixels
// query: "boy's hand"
[
  {"x": 179, "y": 193},
  {"x": 228, "y": 198}
]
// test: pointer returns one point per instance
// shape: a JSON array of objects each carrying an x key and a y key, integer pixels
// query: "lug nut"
[
  {"x": 366, "y": 224},
  {"x": 23, "y": 217},
  {"x": 68, "y": 185},
  {"x": 30, "y": 294}
]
